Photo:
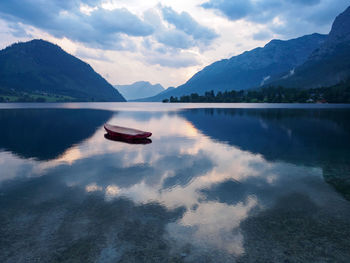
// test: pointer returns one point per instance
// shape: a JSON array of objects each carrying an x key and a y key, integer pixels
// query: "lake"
[{"x": 216, "y": 183}]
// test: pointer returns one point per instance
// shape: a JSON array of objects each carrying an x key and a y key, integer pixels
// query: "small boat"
[{"x": 125, "y": 133}]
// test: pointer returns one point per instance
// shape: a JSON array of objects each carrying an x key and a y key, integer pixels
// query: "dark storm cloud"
[{"x": 296, "y": 16}]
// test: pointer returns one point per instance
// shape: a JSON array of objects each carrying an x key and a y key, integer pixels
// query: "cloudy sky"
[{"x": 161, "y": 41}]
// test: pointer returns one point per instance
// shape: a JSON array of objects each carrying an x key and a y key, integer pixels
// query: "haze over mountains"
[
  {"x": 40, "y": 68},
  {"x": 309, "y": 61},
  {"x": 138, "y": 90}
]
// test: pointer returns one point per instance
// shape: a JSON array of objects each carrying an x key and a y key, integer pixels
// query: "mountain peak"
[
  {"x": 279, "y": 42},
  {"x": 340, "y": 31},
  {"x": 33, "y": 44},
  {"x": 329, "y": 64},
  {"x": 40, "y": 41},
  {"x": 40, "y": 67},
  {"x": 339, "y": 35},
  {"x": 139, "y": 89},
  {"x": 142, "y": 82}
]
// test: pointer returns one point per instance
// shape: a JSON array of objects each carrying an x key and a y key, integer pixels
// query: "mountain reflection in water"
[
  {"x": 214, "y": 185},
  {"x": 46, "y": 133}
]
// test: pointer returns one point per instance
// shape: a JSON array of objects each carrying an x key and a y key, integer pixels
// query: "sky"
[{"x": 162, "y": 41}]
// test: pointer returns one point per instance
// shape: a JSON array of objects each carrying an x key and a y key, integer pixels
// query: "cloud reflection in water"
[{"x": 217, "y": 184}]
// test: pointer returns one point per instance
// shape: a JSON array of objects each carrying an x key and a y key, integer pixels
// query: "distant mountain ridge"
[
  {"x": 139, "y": 90},
  {"x": 312, "y": 61},
  {"x": 251, "y": 68},
  {"x": 329, "y": 64},
  {"x": 158, "y": 96},
  {"x": 40, "y": 67}
]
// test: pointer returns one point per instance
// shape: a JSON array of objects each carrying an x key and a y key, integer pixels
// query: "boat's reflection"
[{"x": 129, "y": 141}]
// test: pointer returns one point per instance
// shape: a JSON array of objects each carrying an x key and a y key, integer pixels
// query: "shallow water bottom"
[{"x": 213, "y": 185}]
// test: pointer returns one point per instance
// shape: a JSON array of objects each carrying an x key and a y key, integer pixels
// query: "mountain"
[
  {"x": 298, "y": 137},
  {"x": 138, "y": 90},
  {"x": 159, "y": 96},
  {"x": 329, "y": 64},
  {"x": 167, "y": 90},
  {"x": 40, "y": 68},
  {"x": 250, "y": 69}
]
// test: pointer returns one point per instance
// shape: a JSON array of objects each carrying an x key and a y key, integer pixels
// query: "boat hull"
[{"x": 125, "y": 133}]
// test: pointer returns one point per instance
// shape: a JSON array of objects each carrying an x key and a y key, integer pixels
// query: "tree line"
[{"x": 335, "y": 94}]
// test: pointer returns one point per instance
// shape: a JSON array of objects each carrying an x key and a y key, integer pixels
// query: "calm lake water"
[{"x": 217, "y": 183}]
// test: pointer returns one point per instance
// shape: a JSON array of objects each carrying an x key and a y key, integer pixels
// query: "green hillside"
[{"x": 41, "y": 71}]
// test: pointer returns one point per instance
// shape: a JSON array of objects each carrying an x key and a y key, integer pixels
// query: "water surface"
[{"x": 245, "y": 183}]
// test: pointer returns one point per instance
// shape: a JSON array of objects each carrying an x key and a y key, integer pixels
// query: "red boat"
[{"x": 125, "y": 133}]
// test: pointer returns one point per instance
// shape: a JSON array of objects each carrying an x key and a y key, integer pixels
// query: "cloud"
[
  {"x": 178, "y": 30},
  {"x": 94, "y": 54},
  {"x": 287, "y": 18},
  {"x": 18, "y": 30},
  {"x": 262, "y": 35},
  {"x": 175, "y": 38},
  {"x": 118, "y": 20},
  {"x": 172, "y": 59},
  {"x": 184, "y": 22},
  {"x": 232, "y": 9},
  {"x": 99, "y": 28},
  {"x": 86, "y": 21},
  {"x": 305, "y": 2}
]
